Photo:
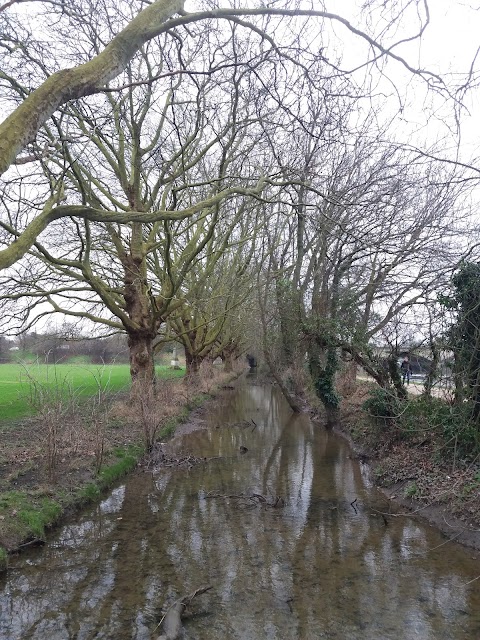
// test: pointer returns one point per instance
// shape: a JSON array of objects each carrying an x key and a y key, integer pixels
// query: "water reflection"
[{"x": 317, "y": 568}]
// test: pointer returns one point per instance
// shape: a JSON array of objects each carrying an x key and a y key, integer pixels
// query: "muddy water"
[{"x": 314, "y": 568}]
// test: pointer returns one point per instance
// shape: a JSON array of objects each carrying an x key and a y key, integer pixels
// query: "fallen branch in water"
[
  {"x": 244, "y": 424},
  {"x": 251, "y": 499},
  {"x": 171, "y": 622},
  {"x": 159, "y": 459}
]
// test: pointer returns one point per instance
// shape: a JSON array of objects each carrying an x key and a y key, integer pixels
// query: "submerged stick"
[{"x": 172, "y": 621}]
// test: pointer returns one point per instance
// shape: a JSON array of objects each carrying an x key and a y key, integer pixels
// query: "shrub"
[
  {"x": 383, "y": 404},
  {"x": 411, "y": 491},
  {"x": 450, "y": 424}
]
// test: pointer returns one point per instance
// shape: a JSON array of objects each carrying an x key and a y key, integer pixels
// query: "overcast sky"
[{"x": 447, "y": 48}]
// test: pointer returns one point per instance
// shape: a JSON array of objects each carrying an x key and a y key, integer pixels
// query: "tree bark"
[
  {"x": 142, "y": 364},
  {"x": 192, "y": 362},
  {"x": 432, "y": 374},
  {"x": 348, "y": 378},
  {"x": 333, "y": 415},
  {"x": 22, "y": 126},
  {"x": 227, "y": 362},
  {"x": 323, "y": 365},
  {"x": 144, "y": 324},
  {"x": 374, "y": 369},
  {"x": 395, "y": 377},
  {"x": 172, "y": 622},
  {"x": 294, "y": 406}
]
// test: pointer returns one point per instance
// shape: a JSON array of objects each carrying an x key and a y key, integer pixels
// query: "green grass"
[
  {"x": 36, "y": 519},
  {"x": 18, "y": 380},
  {"x": 28, "y": 515},
  {"x": 126, "y": 460},
  {"x": 25, "y": 515}
]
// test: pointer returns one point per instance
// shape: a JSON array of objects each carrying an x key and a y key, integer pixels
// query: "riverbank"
[
  {"x": 67, "y": 456},
  {"x": 414, "y": 472}
]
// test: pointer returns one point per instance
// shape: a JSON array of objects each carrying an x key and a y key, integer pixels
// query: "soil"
[
  {"x": 32, "y": 471},
  {"x": 413, "y": 475}
]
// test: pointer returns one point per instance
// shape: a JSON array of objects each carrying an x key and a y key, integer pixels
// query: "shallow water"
[{"x": 318, "y": 567}]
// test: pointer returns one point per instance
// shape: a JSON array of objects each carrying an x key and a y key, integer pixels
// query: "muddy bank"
[{"x": 413, "y": 477}]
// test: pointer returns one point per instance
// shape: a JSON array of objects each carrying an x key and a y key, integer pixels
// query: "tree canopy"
[{"x": 290, "y": 32}]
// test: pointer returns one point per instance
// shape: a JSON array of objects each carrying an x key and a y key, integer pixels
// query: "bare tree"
[
  {"x": 371, "y": 234},
  {"x": 144, "y": 149},
  {"x": 128, "y": 29}
]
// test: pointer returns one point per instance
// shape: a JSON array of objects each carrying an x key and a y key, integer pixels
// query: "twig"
[
  {"x": 446, "y": 541},
  {"x": 35, "y": 541}
]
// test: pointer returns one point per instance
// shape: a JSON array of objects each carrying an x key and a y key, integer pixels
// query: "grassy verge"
[
  {"x": 91, "y": 454},
  {"x": 18, "y": 382},
  {"x": 26, "y": 515}
]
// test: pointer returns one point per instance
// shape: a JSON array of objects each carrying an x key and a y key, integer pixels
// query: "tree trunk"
[
  {"x": 333, "y": 415},
  {"x": 192, "y": 362},
  {"x": 394, "y": 373},
  {"x": 294, "y": 406},
  {"x": 348, "y": 378},
  {"x": 323, "y": 365},
  {"x": 144, "y": 325},
  {"x": 432, "y": 374},
  {"x": 370, "y": 365},
  {"x": 287, "y": 325},
  {"x": 142, "y": 365},
  {"x": 175, "y": 363},
  {"x": 227, "y": 362},
  {"x": 458, "y": 378},
  {"x": 85, "y": 79}
]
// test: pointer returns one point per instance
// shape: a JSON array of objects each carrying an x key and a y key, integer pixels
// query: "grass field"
[{"x": 18, "y": 382}]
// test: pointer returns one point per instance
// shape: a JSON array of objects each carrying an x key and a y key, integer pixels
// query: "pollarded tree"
[
  {"x": 382, "y": 244},
  {"x": 322, "y": 129},
  {"x": 189, "y": 154},
  {"x": 213, "y": 291},
  {"x": 377, "y": 232}
]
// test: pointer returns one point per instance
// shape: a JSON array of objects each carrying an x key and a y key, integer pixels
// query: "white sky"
[{"x": 447, "y": 48}]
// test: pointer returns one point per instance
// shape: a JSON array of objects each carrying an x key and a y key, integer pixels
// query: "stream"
[{"x": 321, "y": 563}]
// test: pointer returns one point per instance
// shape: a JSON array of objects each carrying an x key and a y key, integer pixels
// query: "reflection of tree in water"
[
  {"x": 121, "y": 570},
  {"x": 312, "y": 566},
  {"x": 353, "y": 569}
]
